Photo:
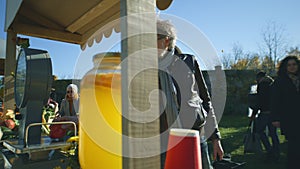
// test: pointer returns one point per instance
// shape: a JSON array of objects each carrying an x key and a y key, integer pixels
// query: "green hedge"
[{"x": 238, "y": 86}]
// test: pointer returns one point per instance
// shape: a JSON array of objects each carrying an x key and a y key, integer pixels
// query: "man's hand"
[{"x": 218, "y": 150}]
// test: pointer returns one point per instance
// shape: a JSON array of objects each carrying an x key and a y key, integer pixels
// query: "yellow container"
[{"x": 100, "y": 129}]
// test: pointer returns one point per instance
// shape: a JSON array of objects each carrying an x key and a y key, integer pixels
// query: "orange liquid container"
[{"x": 100, "y": 129}]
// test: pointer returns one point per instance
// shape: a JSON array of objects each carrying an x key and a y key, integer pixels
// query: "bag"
[
  {"x": 227, "y": 164},
  {"x": 56, "y": 130},
  {"x": 252, "y": 142}
]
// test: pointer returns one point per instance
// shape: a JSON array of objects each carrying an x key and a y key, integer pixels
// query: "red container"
[{"x": 183, "y": 150}]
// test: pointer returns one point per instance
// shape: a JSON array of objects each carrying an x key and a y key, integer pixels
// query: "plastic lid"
[{"x": 184, "y": 132}]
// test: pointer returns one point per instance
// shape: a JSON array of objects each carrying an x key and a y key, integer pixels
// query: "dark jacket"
[
  {"x": 263, "y": 93},
  {"x": 201, "y": 86},
  {"x": 285, "y": 105},
  {"x": 207, "y": 105}
]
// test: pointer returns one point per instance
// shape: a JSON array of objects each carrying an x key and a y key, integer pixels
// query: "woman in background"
[
  {"x": 70, "y": 104},
  {"x": 285, "y": 107}
]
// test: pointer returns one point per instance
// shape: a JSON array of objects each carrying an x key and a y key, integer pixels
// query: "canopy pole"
[
  {"x": 10, "y": 66},
  {"x": 140, "y": 110}
]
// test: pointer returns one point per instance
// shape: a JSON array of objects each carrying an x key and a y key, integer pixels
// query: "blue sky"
[{"x": 224, "y": 23}]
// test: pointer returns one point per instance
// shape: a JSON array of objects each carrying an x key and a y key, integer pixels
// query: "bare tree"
[
  {"x": 274, "y": 42},
  {"x": 236, "y": 54},
  {"x": 226, "y": 60},
  {"x": 237, "y": 51}
]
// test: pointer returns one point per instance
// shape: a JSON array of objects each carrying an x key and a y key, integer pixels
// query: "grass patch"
[{"x": 233, "y": 129}]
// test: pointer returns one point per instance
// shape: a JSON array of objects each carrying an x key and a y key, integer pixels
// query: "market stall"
[{"x": 85, "y": 23}]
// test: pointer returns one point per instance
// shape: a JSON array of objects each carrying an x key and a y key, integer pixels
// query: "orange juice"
[{"x": 100, "y": 129}]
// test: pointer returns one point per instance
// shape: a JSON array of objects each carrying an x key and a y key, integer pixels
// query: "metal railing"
[{"x": 40, "y": 124}]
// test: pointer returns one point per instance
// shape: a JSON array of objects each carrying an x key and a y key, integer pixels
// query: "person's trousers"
[
  {"x": 263, "y": 121},
  {"x": 205, "y": 155}
]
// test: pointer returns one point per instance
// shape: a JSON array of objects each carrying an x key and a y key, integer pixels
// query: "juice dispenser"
[{"x": 100, "y": 130}]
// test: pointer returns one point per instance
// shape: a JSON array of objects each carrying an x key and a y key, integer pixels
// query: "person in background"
[
  {"x": 52, "y": 100},
  {"x": 285, "y": 106},
  {"x": 69, "y": 107},
  {"x": 166, "y": 40},
  {"x": 264, "y": 120},
  {"x": 69, "y": 111},
  {"x": 70, "y": 104}
]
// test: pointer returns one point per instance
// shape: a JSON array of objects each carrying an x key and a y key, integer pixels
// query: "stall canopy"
[{"x": 72, "y": 21}]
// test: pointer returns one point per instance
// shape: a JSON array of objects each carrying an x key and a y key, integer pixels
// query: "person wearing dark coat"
[
  {"x": 285, "y": 107},
  {"x": 264, "y": 120}
]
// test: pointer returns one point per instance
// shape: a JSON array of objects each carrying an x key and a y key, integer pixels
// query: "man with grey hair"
[{"x": 182, "y": 83}]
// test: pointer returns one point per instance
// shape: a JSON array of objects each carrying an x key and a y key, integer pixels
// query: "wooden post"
[
  {"x": 10, "y": 66},
  {"x": 140, "y": 110}
]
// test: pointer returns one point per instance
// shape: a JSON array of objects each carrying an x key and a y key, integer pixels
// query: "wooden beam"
[
  {"x": 93, "y": 31},
  {"x": 9, "y": 67},
  {"x": 101, "y": 20},
  {"x": 41, "y": 32},
  {"x": 2, "y": 64},
  {"x": 38, "y": 18},
  {"x": 95, "y": 12}
]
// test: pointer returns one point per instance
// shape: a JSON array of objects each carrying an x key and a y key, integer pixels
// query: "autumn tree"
[
  {"x": 239, "y": 60},
  {"x": 250, "y": 61},
  {"x": 254, "y": 62}
]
